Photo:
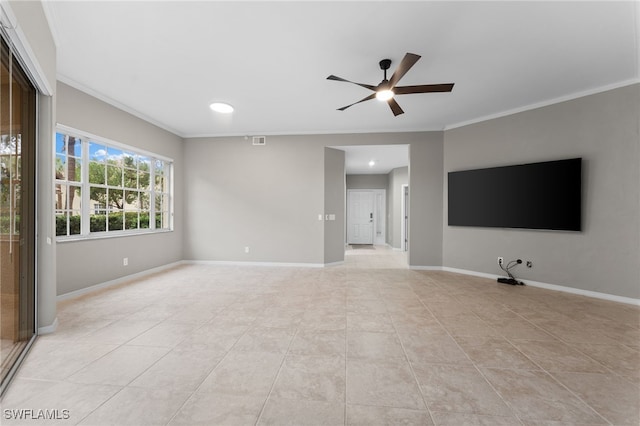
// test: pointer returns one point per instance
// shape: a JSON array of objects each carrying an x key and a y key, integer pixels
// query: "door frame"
[
  {"x": 379, "y": 216},
  {"x": 404, "y": 218}
]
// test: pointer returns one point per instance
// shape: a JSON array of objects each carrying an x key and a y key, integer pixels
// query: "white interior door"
[{"x": 360, "y": 217}]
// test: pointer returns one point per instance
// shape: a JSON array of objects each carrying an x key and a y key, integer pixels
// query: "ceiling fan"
[{"x": 387, "y": 89}]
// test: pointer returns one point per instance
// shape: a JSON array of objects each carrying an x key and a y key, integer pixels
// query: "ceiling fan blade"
[
  {"x": 371, "y": 96},
  {"x": 395, "y": 107},
  {"x": 408, "y": 61},
  {"x": 424, "y": 88},
  {"x": 366, "y": 86}
]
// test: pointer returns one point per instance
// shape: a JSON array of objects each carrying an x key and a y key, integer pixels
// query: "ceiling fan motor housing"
[{"x": 385, "y": 64}]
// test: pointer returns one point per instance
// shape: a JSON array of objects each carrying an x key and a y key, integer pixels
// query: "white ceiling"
[
  {"x": 385, "y": 158},
  {"x": 166, "y": 61}
]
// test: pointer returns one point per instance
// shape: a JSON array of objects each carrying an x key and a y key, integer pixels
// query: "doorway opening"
[{"x": 384, "y": 169}]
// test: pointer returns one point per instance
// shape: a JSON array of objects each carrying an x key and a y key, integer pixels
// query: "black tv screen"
[{"x": 543, "y": 195}]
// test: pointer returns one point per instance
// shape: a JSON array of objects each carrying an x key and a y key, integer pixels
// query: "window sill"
[{"x": 107, "y": 235}]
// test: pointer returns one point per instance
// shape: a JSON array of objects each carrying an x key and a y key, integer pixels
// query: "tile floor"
[{"x": 365, "y": 343}]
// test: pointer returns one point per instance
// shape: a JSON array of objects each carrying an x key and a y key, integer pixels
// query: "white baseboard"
[
  {"x": 48, "y": 329},
  {"x": 468, "y": 272},
  {"x": 425, "y": 268},
  {"x": 241, "y": 263},
  {"x": 555, "y": 287},
  {"x": 280, "y": 264},
  {"x": 106, "y": 284},
  {"x": 393, "y": 248}
]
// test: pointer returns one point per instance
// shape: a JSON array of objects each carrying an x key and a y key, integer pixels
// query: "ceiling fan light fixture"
[
  {"x": 384, "y": 95},
  {"x": 387, "y": 89},
  {"x": 221, "y": 107}
]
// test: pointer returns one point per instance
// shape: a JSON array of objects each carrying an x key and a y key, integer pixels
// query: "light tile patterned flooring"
[{"x": 365, "y": 343}]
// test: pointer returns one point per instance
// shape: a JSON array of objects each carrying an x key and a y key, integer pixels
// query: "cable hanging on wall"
[{"x": 510, "y": 265}]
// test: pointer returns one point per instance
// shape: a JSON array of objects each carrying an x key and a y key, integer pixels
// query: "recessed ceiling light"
[
  {"x": 372, "y": 163},
  {"x": 221, "y": 107}
]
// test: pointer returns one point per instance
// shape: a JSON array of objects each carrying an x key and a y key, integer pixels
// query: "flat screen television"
[{"x": 545, "y": 195}]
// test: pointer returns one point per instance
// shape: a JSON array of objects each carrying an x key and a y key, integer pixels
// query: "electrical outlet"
[
  {"x": 125, "y": 261},
  {"x": 500, "y": 260},
  {"x": 529, "y": 264},
  {"x": 246, "y": 249}
]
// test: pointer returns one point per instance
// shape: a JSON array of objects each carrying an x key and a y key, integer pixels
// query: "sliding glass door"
[{"x": 17, "y": 213}]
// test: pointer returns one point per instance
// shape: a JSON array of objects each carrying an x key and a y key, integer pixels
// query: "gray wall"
[
  {"x": 268, "y": 198},
  {"x": 397, "y": 177},
  {"x": 425, "y": 201},
  {"x": 367, "y": 182},
  {"x": 34, "y": 24},
  {"x": 603, "y": 130},
  {"x": 84, "y": 263},
  {"x": 334, "y": 203}
]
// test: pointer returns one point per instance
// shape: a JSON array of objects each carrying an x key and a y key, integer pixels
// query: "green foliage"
[
  {"x": 10, "y": 166},
  {"x": 72, "y": 172},
  {"x": 98, "y": 222},
  {"x": 61, "y": 225},
  {"x": 116, "y": 174},
  {"x": 5, "y": 225}
]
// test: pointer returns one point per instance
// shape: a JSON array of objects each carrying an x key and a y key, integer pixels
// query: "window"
[{"x": 104, "y": 187}]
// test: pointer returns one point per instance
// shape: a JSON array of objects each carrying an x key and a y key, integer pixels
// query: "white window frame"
[{"x": 85, "y": 232}]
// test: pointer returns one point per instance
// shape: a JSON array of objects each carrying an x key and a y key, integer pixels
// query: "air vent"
[{"x": 259, "y": 140}]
